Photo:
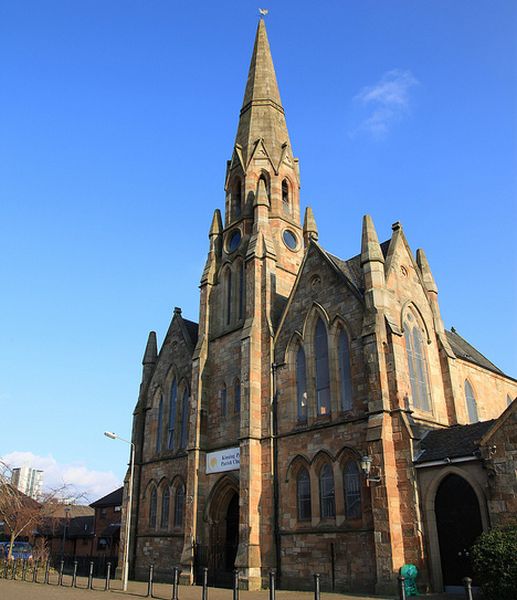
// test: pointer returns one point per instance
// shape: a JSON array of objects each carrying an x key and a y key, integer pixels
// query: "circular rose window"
[
  {"x": 290, "y": 239},
  {"x": 234, "y": 240}
]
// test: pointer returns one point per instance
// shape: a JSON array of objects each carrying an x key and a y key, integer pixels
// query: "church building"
[{"x": 318, "y": 418}]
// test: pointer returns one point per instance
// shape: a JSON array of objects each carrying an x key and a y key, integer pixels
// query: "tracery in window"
[
  {"x": 153, "y": 506},
  {"x": 345, "y": 376},
  {"x": 184, "y": 419},
  {"x": 301, "y": 386},
  {"x": 164, "y": 518},
  {"x": 352, "y": 485},
  {"x": 179, "y": 505},
  {"x": 303, "y": 495},
  {"x": 327, "y": 493},
  {"x": 470, "y": 398},
  {"x": 172, "y": 414},
  {"x": 321, "y": 353},
  {"x": 417, "y": 365},
  {"x": 159, "y": 425}
]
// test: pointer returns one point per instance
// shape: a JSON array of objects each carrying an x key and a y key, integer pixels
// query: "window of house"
[
  {"x": 472, "y": 410},
  {"x": 345, "y": 376},
  {"x": 153, "y": 506},
  {"x": 303, "y": 495},
  {"x": 102, "y": 543},
  {"x": 301, "y": 386},
  {"x": 184, "y": 419},
  {"x": 417, "y": 366},
  {"x": 327, "y": 493},
  {"x": 103, "y": 514},
  {"x": 352, "y": 484},
  {"x": 164, "y": 519},
  {"x": 224, "y": 400},
  {"x": 237, "y": 396},
  {"x": 322, "y": 369},
  {"x": 179, "y": 506},
  {"x": 172, "y": 415},
  {"x": 159, "y": 425},
  {"x": 285, "y": 195}
]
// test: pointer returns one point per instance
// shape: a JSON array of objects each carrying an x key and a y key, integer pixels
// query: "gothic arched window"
[
  {"x": 285, "y": 195},
  {"x": 153, "y": 506},
  {"x": 303, "y": 495},
  {"x": 352, "y": 485},
  {"x": 172, "y": 414},
  {"x": 184, "y": 419},
  {"x": 327, "y": 493},
  {"x": 470, "y": 398},
  {"x": 242, "y": 291},
  {"x": 417, "y": 365},
  {"x": 345, "y": 376},
  {"x": 179, "y": 506},
  {"x": 237, "y": 198},
  {"x": 159, "y": 425},
  {"x": 228, "y": 291},
  {"x": 301, "y": 386},
  {"x": 321, "y": 353},
  {"x": 236, "y": 396},
  {"x": 223, "y": 400},
  {"x": 164, "y": 518}
]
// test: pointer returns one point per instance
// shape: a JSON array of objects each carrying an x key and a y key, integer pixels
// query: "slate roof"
[
  {"x": 452, "y": 442},
  {"x": 192, "y": 329},
  {"x": 462, "y": 349},
  {"x": 111, "y": 499}
]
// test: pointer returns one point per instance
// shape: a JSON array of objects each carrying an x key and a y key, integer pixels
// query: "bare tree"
[{"x": 21, "y": 514}]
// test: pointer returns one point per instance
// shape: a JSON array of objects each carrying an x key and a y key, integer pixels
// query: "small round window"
[
  {"x": 234, "y": 240},
  {"x": 290, "y": 239}
]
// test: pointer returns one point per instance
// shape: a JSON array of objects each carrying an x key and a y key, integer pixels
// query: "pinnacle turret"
[
  {"x": 370, "y": 248},
  {"x": 310, "y": 230},
  {"x": 425, "y": 269},
  {"x": 151, "y": 350}
]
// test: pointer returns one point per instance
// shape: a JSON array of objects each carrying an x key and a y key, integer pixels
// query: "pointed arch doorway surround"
[
  {"x": 458, "y": 524},
  {"x": 224, "y": 532}
]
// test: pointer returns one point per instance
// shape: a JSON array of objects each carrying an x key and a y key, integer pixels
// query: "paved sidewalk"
[{"x": 24, "y": 590}]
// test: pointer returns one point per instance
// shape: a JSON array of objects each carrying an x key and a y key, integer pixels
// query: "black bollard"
[
  {"x": 74, "y": 575},
  {"x": 316, "y": 586},
  {"x": 24, "y": 569},
  {"x": 61, "y": 569},
  {"x": 467, "y": 582},
  {"x": 175, "y": 582},
  {"x": 272, "y": 585},
  {"x": 204, "y": 592},
  {"x": 236, "y": 584},
  {"x": 108, "y": 577},
  {"x": 47, "y": 573},
  {"x": 150, "y": 581},
  {"x": 35, "y": 567},
  {"x": 90, "y": 576},
  {"x": 402, "y": 587}
]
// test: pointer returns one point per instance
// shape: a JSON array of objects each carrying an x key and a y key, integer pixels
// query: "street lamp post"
[{"x": 125, "y": 567}]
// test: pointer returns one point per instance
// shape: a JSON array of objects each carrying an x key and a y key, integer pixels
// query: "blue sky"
[{"x": 116, "y": 121}]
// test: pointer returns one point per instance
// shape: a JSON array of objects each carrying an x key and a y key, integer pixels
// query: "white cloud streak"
[
  {"x": 83, "y": 482},
  {"x": 388, "y": 101}
]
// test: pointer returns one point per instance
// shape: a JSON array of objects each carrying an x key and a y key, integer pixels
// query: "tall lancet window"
[
  {"x": 179, "y": 505},
  {"x": 301, "y": 386},
  {"x": 159, "y": 425},
  {"x": 237, "y": 198},
  {"x": 242, "y": 291},
  {"x": 327, "y": 493},
  {"x": 164, "y": 519},
  {"x": 228, "y": 283},
  {"x": 470, "y": 398},
  {"x": 417, "y": 365},
  {"x": 345, "y": 376},
  {"x": 352, "y": 484},
  {"x": 285, "y": 195},
  {"x": 303, "y": 495},
  {"x": 172, "y": 415},
  {"x": 321, "y": 352},
  {"x": 153, "y": 508},
  {"x": 184, "y": 419}
]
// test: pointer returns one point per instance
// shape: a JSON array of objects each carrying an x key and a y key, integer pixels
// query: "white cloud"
[
  {"x": 83, "y": 482},
  {"x": 387, "y": 101}
]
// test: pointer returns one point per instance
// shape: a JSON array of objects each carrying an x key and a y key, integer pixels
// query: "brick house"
[
  {"x": 106, "y": 526},
  {"x": 288, "y": 429}
]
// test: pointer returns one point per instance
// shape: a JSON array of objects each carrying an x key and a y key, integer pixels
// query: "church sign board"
[{"x": 223, "y": 460}]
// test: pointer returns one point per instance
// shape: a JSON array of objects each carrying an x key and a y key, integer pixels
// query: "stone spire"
[
  {"x": 310, "y": 230},
  {"x": 262, "y": 115},
  {"x": 151, "y": 350}
]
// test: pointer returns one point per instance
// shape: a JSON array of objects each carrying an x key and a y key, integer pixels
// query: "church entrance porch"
[{"x": 458, "y": 523}]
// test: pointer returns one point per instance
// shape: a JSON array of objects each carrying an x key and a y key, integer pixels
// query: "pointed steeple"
[
  {"x": 151, "y": 350},
  {"x": 310, "y": 230},
  {"x": 262, "y": 115},
  {"x": 217, "y": 224},
  {"x": 425, "y": 269}
]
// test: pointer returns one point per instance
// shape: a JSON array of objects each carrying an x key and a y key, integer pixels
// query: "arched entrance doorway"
[
  {"x": 224, "y": 534},
  {"x": 458, "y": 524}
]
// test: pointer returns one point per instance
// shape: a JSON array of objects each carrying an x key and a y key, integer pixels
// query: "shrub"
[{"x": 494, "y": 557}]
